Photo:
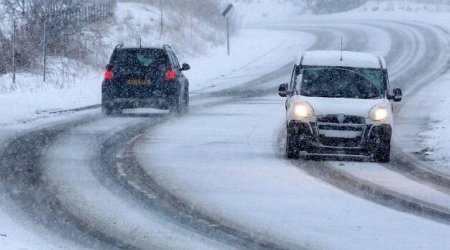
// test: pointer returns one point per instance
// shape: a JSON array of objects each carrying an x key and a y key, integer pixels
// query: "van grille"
[{"x": 340, "y": 130}]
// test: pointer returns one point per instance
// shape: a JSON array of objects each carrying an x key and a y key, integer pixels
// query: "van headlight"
[
  {"x": 378, "y": 113},
  {"x": 303, "y": 110}
]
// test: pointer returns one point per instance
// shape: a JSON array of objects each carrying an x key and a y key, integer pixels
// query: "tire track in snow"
[
  {"x": 251, "y": 94},
  {"x": 425, "y": 66},
  {"x": 21, "y": 173},
  {"x": 24, "y": 171}
]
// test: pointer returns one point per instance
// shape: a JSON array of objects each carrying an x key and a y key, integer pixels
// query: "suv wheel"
[
  {"x": 186, "y": 101},
  {"x": 292, "y": 146},
  {"x": 106, "y": 109},
  {"x": 383, "y": 153},
  {"x": 175, "y": 107}
]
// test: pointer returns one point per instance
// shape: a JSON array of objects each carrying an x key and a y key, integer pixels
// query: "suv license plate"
[{"x": 138, "y": 82}]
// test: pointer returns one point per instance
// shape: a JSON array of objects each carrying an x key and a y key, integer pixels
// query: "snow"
[
  {"x": 394, "y": 181},
  {"x": 33, "y": 99},
  {"x": 434, "y": 137},
  {"x": 31, "y": 103},
  {"x": 274, "y": 198},
  {"x": 70, "y": 168},
  {"x": 243, "y": 179},
  {"x": 253, "y": 51},
  {"x": 265, "y": 10},
  {"x": 19, "y": 234},
  {"x": 404, "y": 6},
  {"x": 17, "y": 229}
]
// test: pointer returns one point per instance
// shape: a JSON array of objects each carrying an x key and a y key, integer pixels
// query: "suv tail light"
[
  {"x": 171, "y": 75},
  {"x": 109, "y": 75}
]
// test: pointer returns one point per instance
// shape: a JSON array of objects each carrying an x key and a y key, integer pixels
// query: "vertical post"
[
  {"x": 228, "y": 35},
  {"x": 225, "y": 14},
  {"x": 162, "y": 20},
  {"x": 14, "y": 52},
  {"x": 45, "y": 48}
]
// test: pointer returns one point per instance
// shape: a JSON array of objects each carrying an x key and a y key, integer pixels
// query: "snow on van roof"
[{"x": 349, "y": 59}]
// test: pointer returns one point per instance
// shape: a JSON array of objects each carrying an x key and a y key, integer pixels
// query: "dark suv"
[{"x": 145, "y": 77}]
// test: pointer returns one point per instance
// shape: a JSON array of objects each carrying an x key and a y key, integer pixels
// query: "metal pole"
[
  {"x": 45, "y": 47},
  {"x": 14, "y": 52},
  {"x": 225, "y": 14},
  {"x": 228, "y": 35}
]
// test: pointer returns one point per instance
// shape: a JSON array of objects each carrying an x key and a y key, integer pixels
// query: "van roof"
[{"x": 349, "y": 59}]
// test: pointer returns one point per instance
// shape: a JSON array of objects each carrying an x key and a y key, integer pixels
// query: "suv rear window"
[{"x": 139, "y": 59}]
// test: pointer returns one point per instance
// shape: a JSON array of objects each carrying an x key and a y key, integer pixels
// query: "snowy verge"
[
  {"x": 434, "y": 136},
  {"x": 33, "y": 99}
]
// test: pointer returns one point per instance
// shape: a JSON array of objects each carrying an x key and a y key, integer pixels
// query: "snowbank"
[{"x": 435, "y": 136}]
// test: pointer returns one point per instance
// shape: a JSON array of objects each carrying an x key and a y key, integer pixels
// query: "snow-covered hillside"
[
  {"x": 133, "y": 22},
  {"x": 263, "y": 10},
  {"x": 405, "y": 6}
]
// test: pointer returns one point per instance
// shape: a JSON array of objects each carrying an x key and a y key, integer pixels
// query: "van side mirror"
[
  {"x": 283, "y": 89},
  {"x": 398, "y": 95},
  {"x": 185, "y": 66}
]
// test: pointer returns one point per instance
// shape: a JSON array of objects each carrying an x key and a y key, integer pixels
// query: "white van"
[{"x": 339, "y": 103}]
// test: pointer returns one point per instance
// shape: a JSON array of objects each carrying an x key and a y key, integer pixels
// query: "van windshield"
[{"x": 336, "y": 82}]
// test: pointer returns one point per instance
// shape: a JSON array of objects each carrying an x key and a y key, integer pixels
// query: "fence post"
[
  {"x": 45, "y": 47},
  {"x": 162, "y": 20},
  {"x": 14, "y": 52}
]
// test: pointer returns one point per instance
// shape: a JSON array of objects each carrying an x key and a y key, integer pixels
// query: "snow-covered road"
[
  {"x": 216, "y": 178},
  {"x": 229, "y": 165}
]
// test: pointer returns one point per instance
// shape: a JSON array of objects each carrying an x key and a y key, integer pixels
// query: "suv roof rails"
[
  {"x": 118, "y": 46},
  {"x": 167, "y": 47},
  {"x": 164, "y": 46}
]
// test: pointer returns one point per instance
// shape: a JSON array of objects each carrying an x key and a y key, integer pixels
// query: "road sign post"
[{"x": 225, "y": 14}]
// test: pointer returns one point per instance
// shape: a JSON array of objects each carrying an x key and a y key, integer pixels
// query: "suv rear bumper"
[
  {"x": 125, "y": 103},
  {"x": 312, "y": 142},
  {"x": 116, "y": 97}
]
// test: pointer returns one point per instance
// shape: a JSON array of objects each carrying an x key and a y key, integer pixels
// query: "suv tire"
[
  {"x": 382, "y": 154},
  {"x": 292, "y": 146},
  {"x": 186, "y": 101},
  {"x": 106, "y": 110},
  {"x": 175, "y": 106}
]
